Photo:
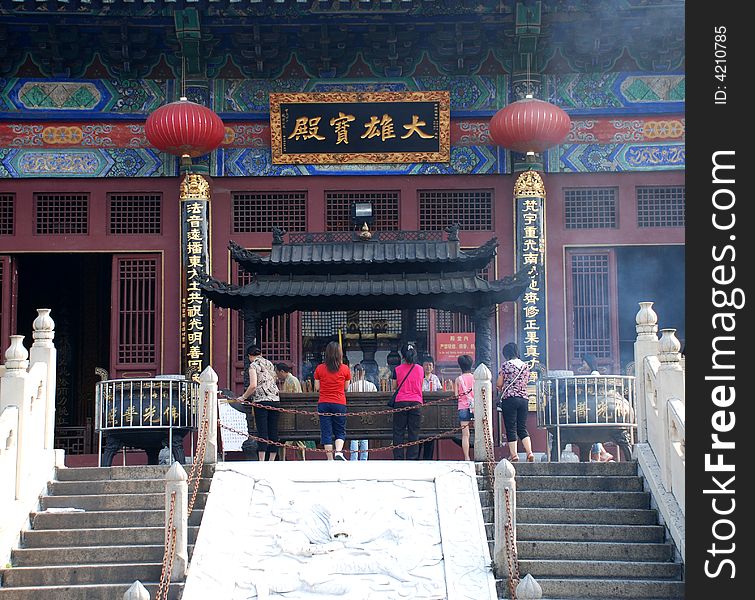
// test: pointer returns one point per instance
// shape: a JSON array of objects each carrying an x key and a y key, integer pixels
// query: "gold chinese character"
[
  {"x": 306, "y": 128},
  {"x": 195, "y": 325},
  {"x": 195, "y": 208},
  {"x": 530, "y": 232},
  {"x": 530, "y": 205},
  {"x": 531, "y": 311},
  {"x": 129, "y": 414},
  {"x": 171, "y": 414},
  {"x": 530, "y": 258},
  {"x": 341, "y": 123},
  {"x": 112, "y": 416},
  {"x": 531, "y": 245},
  {"x": 194, "y": 337},
  {"x": 531, "y": 298},
  {"x": 148, "y": 415},
  {"x": 194, "y": 235},
  {"x": 414, "y": 127},
  {"x": 194, "y": 247},
  {"x": 195, "y": 352},
  {"x": 382, "y": 127}
]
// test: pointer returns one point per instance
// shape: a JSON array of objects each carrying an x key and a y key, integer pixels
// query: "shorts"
[{"x": 465, "y": 415}]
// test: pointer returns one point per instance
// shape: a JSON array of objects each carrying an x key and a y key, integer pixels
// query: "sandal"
[
  {"x": 530, "y": 457},
  {"x": 514, "y": 458}
]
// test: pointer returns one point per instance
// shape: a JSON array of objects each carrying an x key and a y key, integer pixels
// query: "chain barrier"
[
  {"x": 432, "y": 438},
  {"x": 196, "y": 468},
  {"x": 170, "y": 552},
  {"x": 297, "y": 411}
]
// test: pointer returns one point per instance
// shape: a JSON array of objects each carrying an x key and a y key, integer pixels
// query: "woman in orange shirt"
[{"x": 331, "y": 380}]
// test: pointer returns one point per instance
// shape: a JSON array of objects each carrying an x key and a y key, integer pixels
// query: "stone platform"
[{"x": 377, "y": 530}]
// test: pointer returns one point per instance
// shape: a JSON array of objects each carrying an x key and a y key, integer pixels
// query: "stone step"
[
  {"x": 58, "y": 538},
  {"x": 38, "y": 557},
  {"x": 80, "y": 574},
  {"x": 613, "y": 588},
  {"x": 135, "y": 472},
  {"x": 615, "y": 516},
  {"x": 590, "y": 532},
  {"x": 114, "y": 502},
  {"x": 635, "y": 552},
  {"x": 625, "y": 468},
  {"x": 604, "y": 483},
  {"x": 560, "y": 499},
  {"x": 115, "y": 486},
  {"x": 112, "y": 591},
  {"x": 600, "y": 569},
  {"x": 105, "y": 518}
]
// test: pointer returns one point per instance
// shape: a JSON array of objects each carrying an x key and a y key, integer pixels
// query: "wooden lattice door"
[{"x": 136, "y": 315}]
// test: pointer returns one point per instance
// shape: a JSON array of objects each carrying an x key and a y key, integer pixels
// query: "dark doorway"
[{"x": 76, "y": 287}]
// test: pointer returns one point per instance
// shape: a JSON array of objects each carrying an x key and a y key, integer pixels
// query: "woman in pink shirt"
[
  {"x": 409, "y": 376},
  {"x": 464, "y": 385}
]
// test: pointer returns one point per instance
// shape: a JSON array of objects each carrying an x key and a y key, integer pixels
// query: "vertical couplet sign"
[
  {"x": 195, "y": 260},
  {"x": 529, "y": 199}
]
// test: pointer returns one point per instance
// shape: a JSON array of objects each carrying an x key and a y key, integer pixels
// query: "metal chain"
[
  {"x": 432, "y": 438},
  {"x": 297, "y": 411},
  {"x": 170, "y": 551},
  {"x": 199, "y": 461},
  {"x": 512, "y": 557},
  {"x": 196, "y": 468}
]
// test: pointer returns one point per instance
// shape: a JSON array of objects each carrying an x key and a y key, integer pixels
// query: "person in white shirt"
[
  {"x": 430, "y": 383},
  {"x": 358, "y": 448}
]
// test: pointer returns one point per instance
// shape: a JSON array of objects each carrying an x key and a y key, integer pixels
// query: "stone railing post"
[
  {"x": 176, "y": 481},
  {"x": 43, "y": 350},
  {"x": 208, "y": 388},
  {"x": 645, "y": 345},
  {"x": 670, "y": 386},
  {"x": 136, "y": 592},
  {"x": 505, "y": 485},
  {"x": 483, "y": 405},
  {"x": 13, "y": 393}
]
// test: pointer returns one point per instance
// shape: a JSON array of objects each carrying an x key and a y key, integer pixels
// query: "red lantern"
[
  {"x": 184, "y": 128},
  {"x": 529, "y": 125}
]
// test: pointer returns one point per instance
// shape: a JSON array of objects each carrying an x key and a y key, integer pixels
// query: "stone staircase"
[
  {"x": 586, "y": 530},
  {"x": 98, "y": 553}
]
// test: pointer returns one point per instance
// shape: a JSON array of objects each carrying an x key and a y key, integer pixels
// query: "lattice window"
[
  {"x": 7, "y": 214},
  {"x": 259, "y": 212},
  {"x": 384, "y": 209},
  {"x": 452, "y": 322},
  {"x": 61, "y": 214},
  {"x": 323, "y": 324},
  {"x": 591, "y": 304},
  {"x": 472, "y": 209},
  {"x": 590, "y": 208},
  {"x": 138, "y": 303},
  {"x": 661, "y": 206},
  {"x": 423, "y": 319},
  {"x": 389, "y": 319},
  {"x": 135, "y": 213}
]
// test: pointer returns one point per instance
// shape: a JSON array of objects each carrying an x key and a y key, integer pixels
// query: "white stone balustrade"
[
  {"x": 505, "y": 485},
  {"x": 208, "y": 389},
  {"x": 660, "y": 414},
  {"x": 177, "y": 482},
  {"x": 483, "y": 405},
  {"x": 27, "y": 419}
]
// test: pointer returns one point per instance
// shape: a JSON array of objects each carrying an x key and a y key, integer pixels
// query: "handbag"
[
  {"x": 392, "y": 400},
  {"x": 499, "y": 403}
]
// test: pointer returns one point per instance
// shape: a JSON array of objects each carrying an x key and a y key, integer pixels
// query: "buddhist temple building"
[{"x": 359, "y": 191}]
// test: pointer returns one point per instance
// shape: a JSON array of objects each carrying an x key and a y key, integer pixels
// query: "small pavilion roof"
[{"x": 404, "y": 252}]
